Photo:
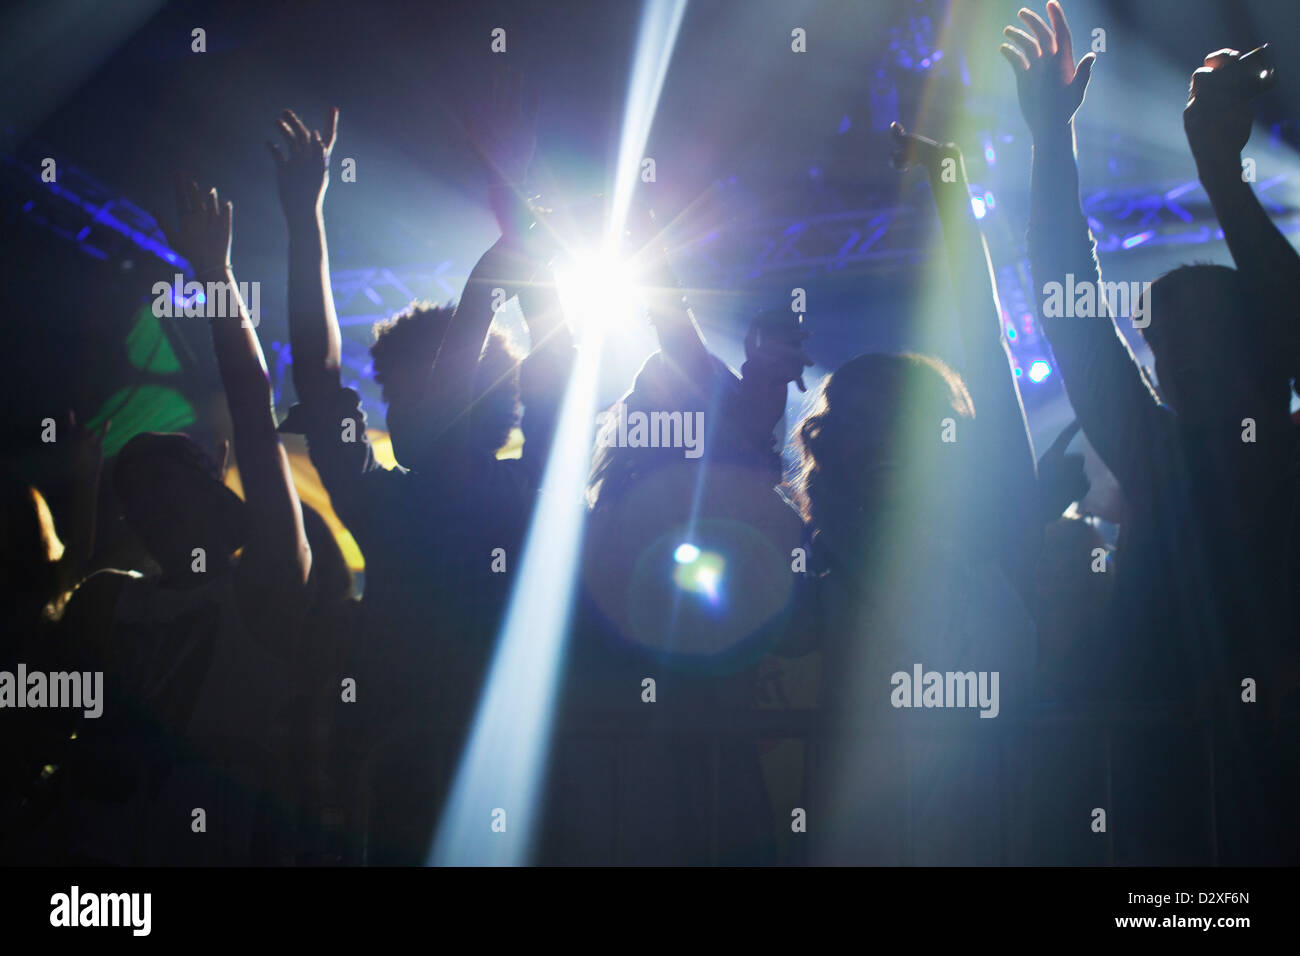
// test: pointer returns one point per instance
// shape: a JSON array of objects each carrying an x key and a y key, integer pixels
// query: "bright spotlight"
[
  {"x": 500, "y": 775},
  {"x": 598, "y": 291},
  {"x": 1039, "y": 370}
]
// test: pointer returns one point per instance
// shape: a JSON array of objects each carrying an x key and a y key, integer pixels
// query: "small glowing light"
[
  {"x": 988, "y": 200},
  {"x": 702, "y": 574},
  {"x": 1138, "y": 239},
  {"x": 1263, "y": 74},
  {"x": 1019, "y": 371},
  {"x": 990, "y": 156},
  {"x": 977, "y": 204},
  {"x": 181, "y": 300},
  {"x": 1011, "y": 332},
  {"x": 686, "y": 553},
  {"x": 1039, "y": 370}
]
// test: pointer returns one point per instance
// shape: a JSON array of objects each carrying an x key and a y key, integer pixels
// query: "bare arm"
[
  {"x": 454, "y": 371},
  {"x": 504, "y": 135},
  {"x": 1217, "y": 120},
  {"x": 774, "y": 357},
  {"x": 303, "y": 175},
  {"x": 999, "y": 414},
  {"x": 1110, "y": 394},
  {"x": 988, "y": 365},
  {"x": 546, "y": 370},
  {"x": 277, "y": 559},
  {"x": 672, "y": 317}
]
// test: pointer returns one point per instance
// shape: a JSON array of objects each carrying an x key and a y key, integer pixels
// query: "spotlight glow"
[
  {"x": 598, "y": 291},
  {"x": 502, "y": 764},
  {"x": 686, "y": 553},
  {"x": 660, "y": 21},
  {"x": 501, "y": 767},
  {"x": 1039, "y": 370}
]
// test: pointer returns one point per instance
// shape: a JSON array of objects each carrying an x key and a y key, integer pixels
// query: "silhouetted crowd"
[{"x": 913, "y": 647}]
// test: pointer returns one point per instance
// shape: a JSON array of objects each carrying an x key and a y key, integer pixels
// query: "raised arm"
[
  {"x": 504, "y": 134},
  {"x": 988, "y": 365},
  {"x": 774, "y": 357},
  {"x": 1107, "y": 387},
  {"x": 670, "y": 313},
  {"x": 546, "y": 371},
  {"x": 999, "y": 413},
  {"x": 329, "y": 415},
  {"x": 1217, "y": 121},
  {"x": 276, "y": 559},
  {"x": 453, "y": 375},
  {"x": 303, "y": 174}
]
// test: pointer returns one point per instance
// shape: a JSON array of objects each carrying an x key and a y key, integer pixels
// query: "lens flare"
[{"x": 686, "y": 553}]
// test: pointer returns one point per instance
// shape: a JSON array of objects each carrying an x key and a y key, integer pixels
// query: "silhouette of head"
[
  {"x": 1201, "y": 334},
  {"x": 874, "y": 441},
  {"x": 172, "y": 496},
  {"x": 403, "y": 355},
  {"x": 660, "y": 387}
]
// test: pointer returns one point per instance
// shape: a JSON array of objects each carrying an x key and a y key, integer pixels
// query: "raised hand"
[
  {"x": 774, "y": 348},
  {"x": 1218, "y": 115},
  {"x": 1049, "y": 83},
  {"x": 276, "y": 556},
  {"x": 202, "y": 231},
  {"x": 303, "y": 166}
]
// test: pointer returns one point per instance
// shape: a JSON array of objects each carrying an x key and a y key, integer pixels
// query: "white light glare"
[
  {"x": 597, "y": 292},
  {"x": 686, "y": 553}
]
